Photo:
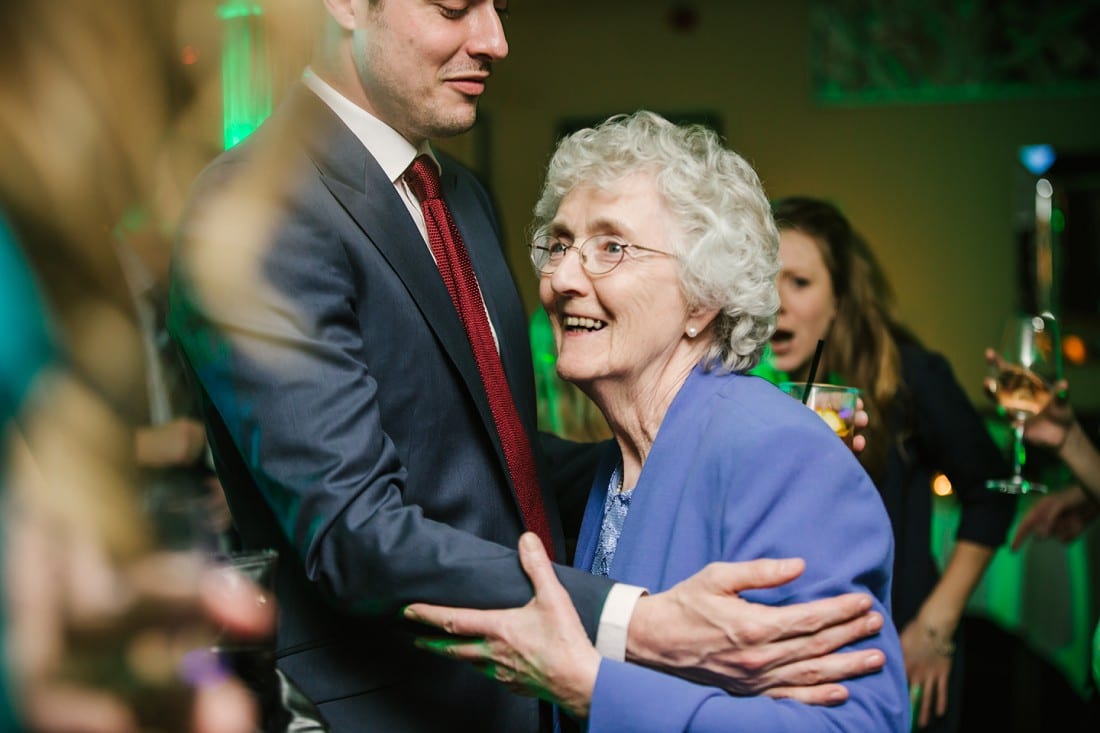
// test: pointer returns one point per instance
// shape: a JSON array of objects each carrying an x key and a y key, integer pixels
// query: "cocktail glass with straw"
[{"x": 835, "y": 404}]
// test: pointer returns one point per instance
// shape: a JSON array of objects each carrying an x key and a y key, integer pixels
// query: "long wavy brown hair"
[{"x": 862, "y": 344}]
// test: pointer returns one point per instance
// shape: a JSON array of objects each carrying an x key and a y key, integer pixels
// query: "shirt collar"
[{"x": 392, "y": 151}]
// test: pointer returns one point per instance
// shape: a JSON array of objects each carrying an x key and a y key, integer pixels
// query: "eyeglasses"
[{"x": 600, "y": 254}]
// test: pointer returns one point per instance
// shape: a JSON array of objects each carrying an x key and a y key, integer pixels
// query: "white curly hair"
[{"x": 729, "y": 257}]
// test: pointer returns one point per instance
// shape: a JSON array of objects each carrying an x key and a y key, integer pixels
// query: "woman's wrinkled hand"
[{"x": 540, "y": 649}]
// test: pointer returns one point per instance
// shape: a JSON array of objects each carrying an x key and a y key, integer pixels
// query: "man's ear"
[{"x": 343, "y": 12}]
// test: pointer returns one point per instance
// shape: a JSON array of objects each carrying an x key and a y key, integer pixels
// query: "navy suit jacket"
[
  {"x": 349, "y": 423},
  {"x": 740, "y": 471}
]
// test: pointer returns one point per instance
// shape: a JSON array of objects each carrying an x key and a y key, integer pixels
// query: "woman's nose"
[{"x": 570, "y": 276}]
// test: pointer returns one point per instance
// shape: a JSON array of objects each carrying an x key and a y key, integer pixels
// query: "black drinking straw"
[{"x": 813, "y": 370}]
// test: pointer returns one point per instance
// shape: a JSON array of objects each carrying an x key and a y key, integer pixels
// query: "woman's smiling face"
[{"x": 618, "y": 325}]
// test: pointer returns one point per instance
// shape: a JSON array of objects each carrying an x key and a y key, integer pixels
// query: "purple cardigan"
[{"x": 740, "y": 471}]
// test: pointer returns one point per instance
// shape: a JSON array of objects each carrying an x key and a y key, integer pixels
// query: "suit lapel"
[{"x": 363, "y": 190}]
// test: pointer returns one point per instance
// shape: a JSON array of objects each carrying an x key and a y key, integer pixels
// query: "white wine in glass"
[{"x": 1029, "y": 362}]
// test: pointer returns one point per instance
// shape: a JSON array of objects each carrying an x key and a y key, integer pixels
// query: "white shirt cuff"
[{"x": 615, "y": 619}]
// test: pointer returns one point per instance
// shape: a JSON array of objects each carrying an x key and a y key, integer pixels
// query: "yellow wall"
[{"x": 929, "y": 185}]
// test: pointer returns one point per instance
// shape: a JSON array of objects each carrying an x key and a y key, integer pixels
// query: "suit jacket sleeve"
[{"x": 280, "y": 355}]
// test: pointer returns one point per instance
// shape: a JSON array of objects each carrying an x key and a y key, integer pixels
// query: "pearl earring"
[{"x": 692, "y": 332}]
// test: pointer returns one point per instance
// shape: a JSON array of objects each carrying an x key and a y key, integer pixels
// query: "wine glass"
[{"x": 1029, "y": 362}]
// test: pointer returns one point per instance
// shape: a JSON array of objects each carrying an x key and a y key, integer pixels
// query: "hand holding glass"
[
  {"x": 1029, "y": 362},
  {"x": 834, "y": 404}
]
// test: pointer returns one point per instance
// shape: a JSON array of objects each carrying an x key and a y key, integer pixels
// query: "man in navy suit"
[{"x": 351, "y": 425}]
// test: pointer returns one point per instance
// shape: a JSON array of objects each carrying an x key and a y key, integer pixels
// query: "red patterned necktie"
[{"x": 458, "y": 275}]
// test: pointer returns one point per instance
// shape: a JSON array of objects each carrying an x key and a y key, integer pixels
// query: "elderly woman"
[{"x": 657, "y": 257}]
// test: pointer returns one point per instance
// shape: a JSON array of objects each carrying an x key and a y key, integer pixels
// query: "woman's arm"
[
  {"x": 1075, "y": 448},
  {"x": 950, "y": 436},
  {"x": 927, "y": 639}
]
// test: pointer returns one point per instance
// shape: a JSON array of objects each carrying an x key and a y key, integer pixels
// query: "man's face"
[{"x": 423, "y": 64}]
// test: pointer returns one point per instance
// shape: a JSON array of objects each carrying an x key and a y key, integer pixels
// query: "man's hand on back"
[{"x": 702, "y": 630}]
